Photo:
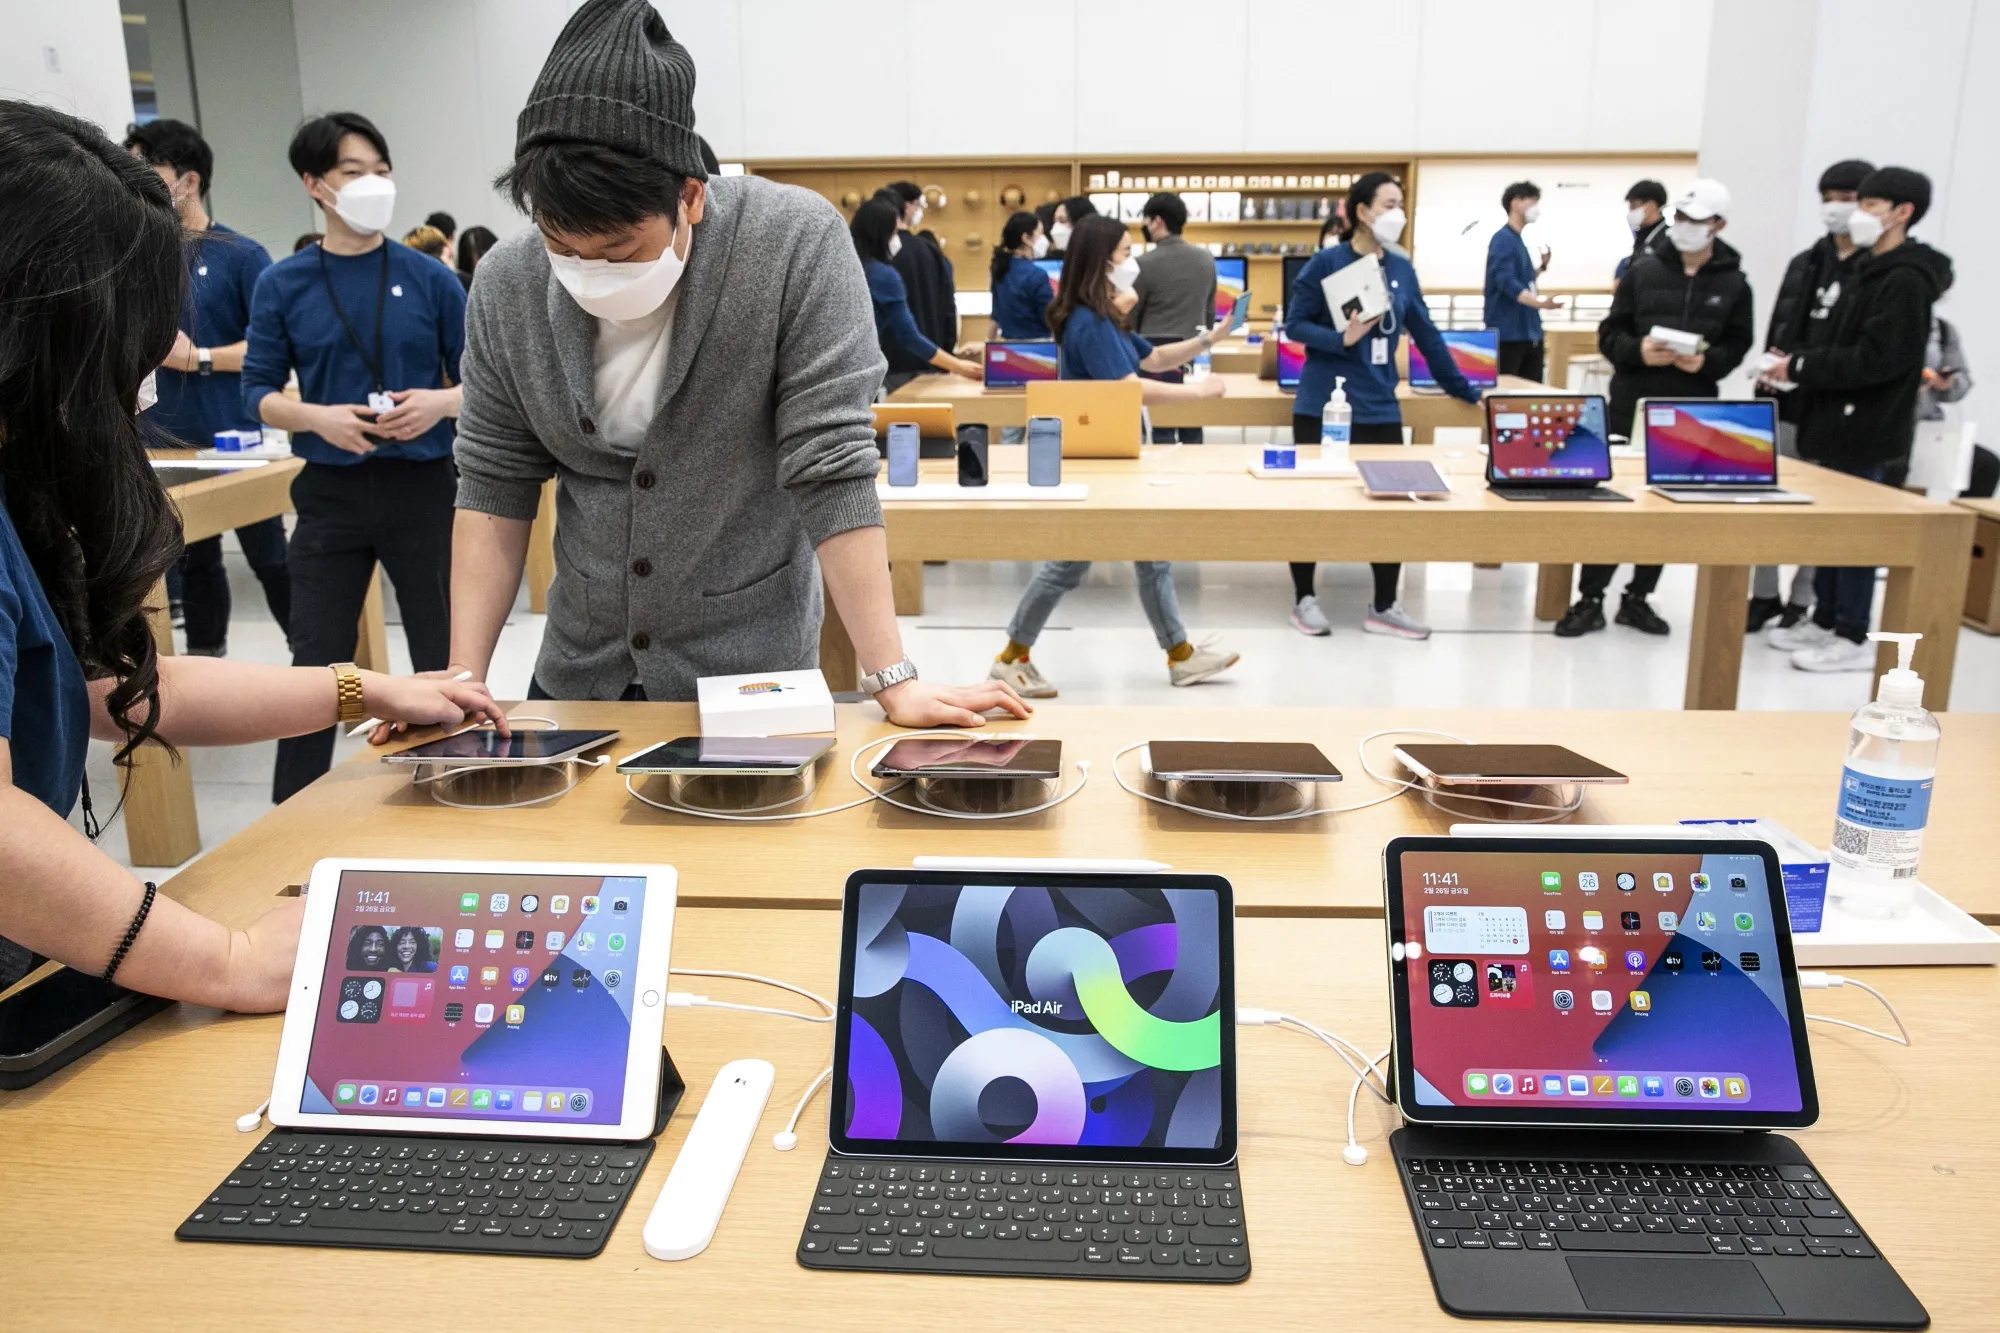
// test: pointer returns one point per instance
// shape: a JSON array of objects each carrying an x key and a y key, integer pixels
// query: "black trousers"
[
  {"x": 386, "y": 510},
  {"x": 1305, "y": 430},
  {"x": 1526, "y": 359},
  {"x": 1596, "y": 578},
  {"x": 204, "y": 583}
]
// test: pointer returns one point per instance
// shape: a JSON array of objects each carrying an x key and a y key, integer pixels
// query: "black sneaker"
[
  {"x": 1763, "y": 610},
  {"x": 1633, "y": 611},
  {"x": 1587, "y": 615},
  {"x": 1793, "y": 614}
]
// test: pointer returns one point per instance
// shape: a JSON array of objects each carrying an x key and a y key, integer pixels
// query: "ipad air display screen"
[
  {"x": 1556, "y": 438},
  {"x": 477, "y": 997},
  {"x": 1023, "y": 1021},
  {"x": 1596, "y": 983}
]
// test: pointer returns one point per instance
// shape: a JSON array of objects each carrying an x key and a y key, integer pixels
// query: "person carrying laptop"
[
  {"x": 692, "y": 359},
  {"x": 1514, "y": 304},
  {"x": 1085, "y": 315},
  {"x": 1860, "y": 387},
  {"x": 1691, "y": 281},
  {"x": 1175, "y": 290}
]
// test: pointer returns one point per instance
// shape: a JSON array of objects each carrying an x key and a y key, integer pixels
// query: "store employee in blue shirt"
[
  {"x": 374, "y": 330},
  {"x": 1021, "y": 291},
  {"x": 201, "y": 384},
  {"x": 877, "y": 241},
  {"x": 1363, "y": 352},
  {"x": 1514, "y": 306}
]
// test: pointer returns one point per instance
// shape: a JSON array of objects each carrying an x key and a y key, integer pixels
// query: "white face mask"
[
  {"x": 366, "y": 203},
  {"x": 1833, "y": 215},
  {"x": 1635, "y": 218},
  {"x": 1388, "y": 225},
  {"x": 1124, "y": 275},
  {"x": 1332, "y": 239},
  {"x": 1059, "y": 235},
  {"x": 149, "y": 392},
  {"x": 1531, "y": 212},
  {"x": 916, "y": 219},
  {"x": 619, "y": 291},
  {"x": 1690, "y": 236},
  {"x": 1041, "y": 246},
  {"x": 1864, "y": 228},
  {"x": 895, "y": 245}
]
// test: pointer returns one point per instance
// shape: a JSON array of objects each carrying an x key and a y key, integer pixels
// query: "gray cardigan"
[{"x": 696, "y": 557}]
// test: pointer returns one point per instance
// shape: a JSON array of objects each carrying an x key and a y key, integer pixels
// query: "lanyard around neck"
[{"x": 375, "y": 364}]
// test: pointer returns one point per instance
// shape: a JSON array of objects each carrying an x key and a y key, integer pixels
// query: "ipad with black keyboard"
[{"x": 1033, "y": 1076}]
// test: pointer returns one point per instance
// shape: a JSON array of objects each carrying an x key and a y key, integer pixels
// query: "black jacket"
[
  {"x": 1859, "y": 385},
  {"x": 1800, "y": 317},
  {"x": 1656, "y": 290},
  {"x": 927, "y": 277}
]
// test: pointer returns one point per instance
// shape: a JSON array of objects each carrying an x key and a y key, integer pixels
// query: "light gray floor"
[{"x": 1487, "y": 652}]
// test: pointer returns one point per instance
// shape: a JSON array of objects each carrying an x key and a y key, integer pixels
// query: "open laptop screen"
[
  {"x": 1231, "y": 281},
  {"x": 1053, "y": 1017},
  {"x": 1476, "y": 353},
  {"x": 1556, "y": 437},
  {"x": 1052, "y": 270},
  {"x": 1711, "y": 442},
  {"x": 1604, "y": 982},
  {"x": 1291, "y": 364},
  {"x": 1012, "y": 365}
]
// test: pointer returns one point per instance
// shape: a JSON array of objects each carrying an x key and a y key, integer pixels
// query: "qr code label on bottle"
[{"x": 1850, "y": 838}]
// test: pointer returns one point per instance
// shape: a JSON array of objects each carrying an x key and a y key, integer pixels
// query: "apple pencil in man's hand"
[{"x": 375, "y": 722}]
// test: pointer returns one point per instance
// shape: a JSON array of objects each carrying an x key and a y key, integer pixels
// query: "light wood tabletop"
[
  {"x": 104, "y": 1160},
  {"x": 1782, "y": 766},
  {"x": 1201, "y": 503}
]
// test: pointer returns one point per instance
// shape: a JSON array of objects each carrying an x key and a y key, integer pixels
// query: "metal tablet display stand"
[
  {"x": 499, "y": 786},
  {"x": 1245, "y": 800},
  {"x": 740, "y": 793},
  {"x": 983, "y": 795}
]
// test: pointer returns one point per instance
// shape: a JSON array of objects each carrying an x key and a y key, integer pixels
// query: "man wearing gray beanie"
[{"x": 693, "y": 360}]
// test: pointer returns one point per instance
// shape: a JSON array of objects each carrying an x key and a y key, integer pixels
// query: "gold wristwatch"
[{"x": 347, "y": 687}]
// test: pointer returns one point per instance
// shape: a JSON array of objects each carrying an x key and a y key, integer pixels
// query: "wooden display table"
[{"x": 1982, "y": 587}]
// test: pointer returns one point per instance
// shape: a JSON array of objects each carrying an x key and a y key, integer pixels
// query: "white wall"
[
  {"x": 245, "y": 63},
  {"x": 69, "y": 54}
]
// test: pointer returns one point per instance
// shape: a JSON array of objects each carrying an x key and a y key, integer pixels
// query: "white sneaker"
[
  {"x": 1025, "y": 677},
  {"x": 1836, "y": 655},
  {"x": 1395, "y": 621},
  {"x": 1210, "y": 659},
  {"x": 1805, "y": 634},
  {"x": 1307, "y": 618}
]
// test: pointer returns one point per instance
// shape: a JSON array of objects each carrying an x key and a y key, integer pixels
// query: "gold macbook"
[{"x": 1100, "y": 417}]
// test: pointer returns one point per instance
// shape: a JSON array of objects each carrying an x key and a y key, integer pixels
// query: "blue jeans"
[
  {"x": 1844, "y": 598},
  {"x": 1056, "y": 577}
]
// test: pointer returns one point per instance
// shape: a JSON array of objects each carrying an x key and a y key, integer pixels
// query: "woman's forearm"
[{"x": 216, "y": 701}]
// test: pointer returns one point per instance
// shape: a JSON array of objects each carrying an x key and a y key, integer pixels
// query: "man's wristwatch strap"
[
  {"x": 877, "y": 681},
  {"x": 204, "y": 360},
  {"x": 347, "y": 685}
]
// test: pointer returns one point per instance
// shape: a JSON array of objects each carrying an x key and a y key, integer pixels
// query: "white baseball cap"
[{"x": 1703, "y": 200}]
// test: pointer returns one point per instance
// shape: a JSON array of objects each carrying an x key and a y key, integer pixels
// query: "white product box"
[{"x": 766, "y": 703}]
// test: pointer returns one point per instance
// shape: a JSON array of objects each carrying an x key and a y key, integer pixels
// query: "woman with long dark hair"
[
  {"x": 1362, "y": 352},
  {"x": 1021, "y": 291},
  {"x": 876, "y": 241},
  {"x": 473, "y": 243},
  {"x": 91, "y": 276},
  {"x": 1088, "y": 319}
]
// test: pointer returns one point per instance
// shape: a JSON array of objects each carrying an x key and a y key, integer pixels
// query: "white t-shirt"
[{"x": 631, "y": 358}]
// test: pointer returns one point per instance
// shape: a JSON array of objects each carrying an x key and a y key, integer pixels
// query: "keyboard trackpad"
[{"x": 1617, "y": 1284}]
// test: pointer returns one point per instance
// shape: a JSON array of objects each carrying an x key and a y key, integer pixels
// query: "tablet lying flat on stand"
[{"x": 1503, "y": 765}]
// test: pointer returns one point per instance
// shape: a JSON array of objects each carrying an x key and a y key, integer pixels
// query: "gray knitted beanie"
[{"x": 616, "y": 77}]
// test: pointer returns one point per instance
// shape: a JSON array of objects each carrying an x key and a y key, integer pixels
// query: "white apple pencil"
[{"x": 375, "y": 722}]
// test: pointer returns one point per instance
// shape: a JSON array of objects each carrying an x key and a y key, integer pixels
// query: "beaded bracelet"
[{"x": 131, "y": 931}]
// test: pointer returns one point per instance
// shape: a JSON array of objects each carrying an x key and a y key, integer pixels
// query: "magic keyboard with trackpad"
[
  {"x": 1561, "y": 493},
  {"x": 979, "y": 1218},
  {"x": 402, "y": 1192}
]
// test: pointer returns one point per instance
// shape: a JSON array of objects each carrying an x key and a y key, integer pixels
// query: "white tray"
[
  {"x": 1010, "y": 490},
  {"x": 262, "y": 453},
  {"x": 1303, "y": 472},
  {"x": 1933, "y": 932}
]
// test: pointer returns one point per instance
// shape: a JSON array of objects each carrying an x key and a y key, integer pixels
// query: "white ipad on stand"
[{"x": 478, "y": 997}]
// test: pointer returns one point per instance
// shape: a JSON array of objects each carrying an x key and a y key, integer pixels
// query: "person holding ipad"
[
  {"x": 1363, "y": 352},
  {"x": 92, "y": 276},
  {"x": 1021, "y": 292},
  {"x": 1089, "y": 323},
  {"x": 878, "y": 241}
]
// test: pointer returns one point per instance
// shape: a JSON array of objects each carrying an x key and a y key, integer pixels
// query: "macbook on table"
[
  {"x": 1593, "y": 1041},
  {"x": 1476, "y": 353},
  {"x": 1714, "y": 450},
  {"x": 1014, "y": 365},
  {"x": 1548, "y": 446},
  {"x": 1100, "y": 417}
]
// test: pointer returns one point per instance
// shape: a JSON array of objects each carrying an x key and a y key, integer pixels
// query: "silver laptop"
[{"x": 1713, "y": 450}]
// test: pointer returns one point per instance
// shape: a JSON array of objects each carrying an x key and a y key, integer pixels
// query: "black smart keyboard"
[
  {"x": 1560, "y": 493},
  {"x": 1637, "y": 1207},
  {"x": 399, "y": 1192},
  {"x": 980, "y": 1218}
]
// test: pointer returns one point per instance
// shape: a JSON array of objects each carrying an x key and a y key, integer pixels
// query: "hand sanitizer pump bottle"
[
  {"x": 1336, "y": 427},
  {"x": 1885, "y": 794}
]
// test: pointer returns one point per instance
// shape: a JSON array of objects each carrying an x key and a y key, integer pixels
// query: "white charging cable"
[
  {"x": 688, "y": 1000},
  {"x": 1363, "y": 1065},
  {"x": 247, "y": 1122},
  {"x": 1830, "y": 980},
  {"x": 673, "y": 808},
  {"x": 1436, "y": 798},
  {"x": 787, "y": 1138},
  {"x": 882, "y": 795}
]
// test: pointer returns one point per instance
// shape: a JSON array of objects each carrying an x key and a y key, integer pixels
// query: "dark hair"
[
  {"x": 1362, "y": 195},
  {"x": 357, "y": 957},
  {"x": 422, "y": 956},
  {"x": 173, "y": 143},
  {"x": 305, "y": 239},
  {"x": 1519, "y": 190},
  {"x": 315, "y": 146},
  {"x": 1047, "y": 213},
  {"x": 444, "y": 222},
  {"x": 1168, "y": 208},
  {"x": 1335, "y": 221},
  {"x": 1845, "y": 175},
  {"x": 589, "y": 189},
  {"x": 905, "y": 192},
  {"x": 1086, "y": 272},
  {"x": 1899, "y": 185},
  {"x": 1078, "y": 207},
  {"x": 473, "y": 243},
  {"x": 1012, "y": 236},
  {"x": 1647, "y": 192},
  {"x": 709, "y": 162},
  {"x": 92, "y": 273},
  {"x": 874, "y": 224}
]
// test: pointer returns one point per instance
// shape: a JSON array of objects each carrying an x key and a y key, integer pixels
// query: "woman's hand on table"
[{"x": 434, "y": 698}]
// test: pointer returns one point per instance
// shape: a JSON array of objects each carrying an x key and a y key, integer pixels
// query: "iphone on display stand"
[
  {"x": 903, "y": 449},
  {"x": 1045, "y": 451}
]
